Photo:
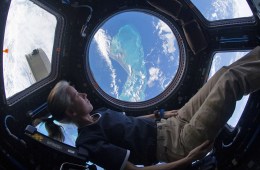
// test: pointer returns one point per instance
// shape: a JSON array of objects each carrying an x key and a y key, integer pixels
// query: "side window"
[
  {"x": 224, "y": 59},
  {"x": 214, "y": 10},
  {"x": 28, "y": 43}
]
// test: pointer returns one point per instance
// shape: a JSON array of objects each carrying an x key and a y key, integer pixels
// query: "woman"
[{"x": 115, "y": 141}]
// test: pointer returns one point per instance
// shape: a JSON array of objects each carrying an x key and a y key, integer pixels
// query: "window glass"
[
  {"x": 134, "y": 56},
  {"x": 28, "y": 44},
  {"x": 214, "y": 10},
  {"x": 224, "y": 59}
]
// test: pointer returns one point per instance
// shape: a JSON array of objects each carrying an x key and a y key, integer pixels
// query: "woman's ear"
[{"x": 70, "y": 112}]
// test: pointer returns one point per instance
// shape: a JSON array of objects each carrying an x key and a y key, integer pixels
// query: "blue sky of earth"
[{"x": 29, "y": 27}]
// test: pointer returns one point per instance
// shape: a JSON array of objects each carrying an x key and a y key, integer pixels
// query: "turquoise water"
[{"x": 127, "y": 49}]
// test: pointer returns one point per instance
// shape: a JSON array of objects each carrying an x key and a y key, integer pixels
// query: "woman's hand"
[
  {"x": 200, "y": 151},
  {"x": 170, "y": 113}
]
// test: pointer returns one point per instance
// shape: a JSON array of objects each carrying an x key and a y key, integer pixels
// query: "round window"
[{"x": 135, "y": 57}]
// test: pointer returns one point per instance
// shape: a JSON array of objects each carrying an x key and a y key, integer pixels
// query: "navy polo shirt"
[{"x": 115, "y": 138}]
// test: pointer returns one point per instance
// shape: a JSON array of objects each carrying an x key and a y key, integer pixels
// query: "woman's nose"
[{"x": 83, "y": 95}]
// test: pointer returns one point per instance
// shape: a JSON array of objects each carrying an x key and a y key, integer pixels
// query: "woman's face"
[{"x": 80, "y": 103}]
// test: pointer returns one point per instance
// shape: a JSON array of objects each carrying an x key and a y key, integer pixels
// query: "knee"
[
  {"x": 233, "y": 75},
  {"x": 227, "y": 78},
  {"x": 232, "y": 81},
  {"x": 192, "y": 136}
]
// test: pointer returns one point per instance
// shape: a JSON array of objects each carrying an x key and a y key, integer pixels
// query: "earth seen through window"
[{"x": 134, "y": 56}]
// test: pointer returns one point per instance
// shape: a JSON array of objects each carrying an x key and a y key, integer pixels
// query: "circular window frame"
[{"x": 170, "y": 90}]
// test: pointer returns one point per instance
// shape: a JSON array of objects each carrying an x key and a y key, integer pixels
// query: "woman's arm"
[
  {"x": 195, "y": 154},
  {"x": 166, "y": 115},
  {"x": 182, "y": 163}
]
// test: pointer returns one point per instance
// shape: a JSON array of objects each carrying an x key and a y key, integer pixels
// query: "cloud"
[
  {"x": 171, "y": 58},
  {"x": 240, "y": 107},
  {"x": 134, "y": 87},
  {"x": 166, "y": 35},
  {"x": 241, "y": 9},
  {"x": 220, "y": 9},
  {"x": 215, "y": 64},
  {"x": 229, "y": 9},
  {"x": 27, "y": 27},
  {"x": 237, "y": 55},
  {"x": 103, "y": 42},
  {"x": 154, "y": 75}
]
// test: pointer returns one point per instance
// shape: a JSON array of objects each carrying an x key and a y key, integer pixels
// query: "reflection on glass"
[
  {"x": 70, "y": 134},
  {"x": 29, "y": 38},
  {"x": 134, "y": 56},
  {"x": 225, "y": 59},
  {"x": 214, "y": 10}
]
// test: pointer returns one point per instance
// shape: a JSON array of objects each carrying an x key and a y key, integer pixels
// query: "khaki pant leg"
[
  {"x": 169, "y": 146},
  {"x": 253, "y": 55},
  {"x": 219, "y": 105},
  {"x": 193, "y": 105},
  {"x": 176, "y": 136}
]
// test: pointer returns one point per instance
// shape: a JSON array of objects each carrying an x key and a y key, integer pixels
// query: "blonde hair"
[{"x": 58, "y": 101}]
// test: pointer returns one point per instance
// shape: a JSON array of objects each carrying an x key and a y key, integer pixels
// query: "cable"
[
  {"x": 80, "y": 166},
  {"x": 234, "y": 139},
  {"x": 10, "y": 133},
  {"x": 85, "y": 26}
]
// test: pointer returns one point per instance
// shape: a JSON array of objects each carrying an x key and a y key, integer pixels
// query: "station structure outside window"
[
  {"x": 221, "y": 59},
  {"x": 28, "y": 45}
]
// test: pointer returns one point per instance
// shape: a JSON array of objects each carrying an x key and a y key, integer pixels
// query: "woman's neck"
[{"x": 87, "y": 120}]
